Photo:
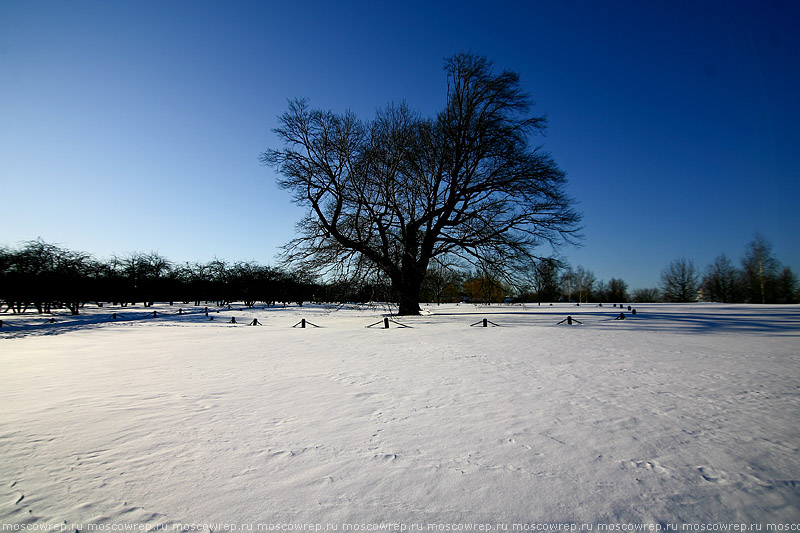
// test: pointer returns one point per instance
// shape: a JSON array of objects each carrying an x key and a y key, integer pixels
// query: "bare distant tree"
[
  {"x": 786, "y": 287},
  {"x": 721, "y": 282},
  {"x": 146, "y": 275},
  {"x": 577, "y": 284},
  {"x": 584, "y": 283},
  {"x": 483, "y": 287},
  {"x": 568, "y": 283},
  {"x": 48, "y": 277},
  {"x": 760, "y": 270},
  {"x": 393, "y": 193},
  {"x": 679, "y": 281},
  {"x": 646, "y": 295},
  {"x": 442, "y": 281},
  {"x": 543, "y": 278},
  {"x": 617, "y": 290}
]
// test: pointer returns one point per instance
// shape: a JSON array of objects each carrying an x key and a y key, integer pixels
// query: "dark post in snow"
[
  {"x": 483, "y": 323},
  {"x": 385, "y": 323},
  {"x": 303, "y": 323}
]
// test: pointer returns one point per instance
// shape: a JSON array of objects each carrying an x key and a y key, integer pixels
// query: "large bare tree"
[{"x": 392, "y": 193}]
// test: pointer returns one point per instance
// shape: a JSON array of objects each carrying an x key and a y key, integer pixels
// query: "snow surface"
[{"x": 682, "y": 414}]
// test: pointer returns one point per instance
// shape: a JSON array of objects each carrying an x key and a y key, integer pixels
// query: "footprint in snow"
[
  {"x": 514, "y": 441},
  {"x": 713, "y": 475},
  {"x": 647, "y": 465}
]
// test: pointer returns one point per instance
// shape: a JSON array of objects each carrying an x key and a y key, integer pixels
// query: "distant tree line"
[
  {"x": 46, "y": 277},
  {"x": 760, "y": 278},
  {"x": 42, "y": 276}
]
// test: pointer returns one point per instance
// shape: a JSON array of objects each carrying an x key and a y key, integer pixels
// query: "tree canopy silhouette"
[{"x": 392, "y": 193}]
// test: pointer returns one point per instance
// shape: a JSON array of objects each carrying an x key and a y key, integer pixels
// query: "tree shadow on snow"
[
  {"x": 37, "y": 325},
  {"x": 759, "y": 321},
  {"x": 769, "y": 320}
]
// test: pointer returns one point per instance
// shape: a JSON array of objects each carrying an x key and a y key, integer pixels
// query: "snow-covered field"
[{"x": 682, "y": 414}]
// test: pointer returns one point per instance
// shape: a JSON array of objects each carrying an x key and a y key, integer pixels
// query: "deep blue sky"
[{"x": 137, "y": 126}]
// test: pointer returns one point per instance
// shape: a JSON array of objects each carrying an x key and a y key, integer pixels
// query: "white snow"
[{"x": 681, "y": 414}]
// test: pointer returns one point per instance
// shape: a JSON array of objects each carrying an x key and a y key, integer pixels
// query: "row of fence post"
[{"x": 385, "y": 322}]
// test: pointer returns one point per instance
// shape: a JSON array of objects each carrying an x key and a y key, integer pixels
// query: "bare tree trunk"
[
  {"x": 409, "y": 304},
  {"x": 408, "y": 285}
]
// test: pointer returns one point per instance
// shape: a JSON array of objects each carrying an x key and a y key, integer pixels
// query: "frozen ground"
[{"x": 683, "y": 414}]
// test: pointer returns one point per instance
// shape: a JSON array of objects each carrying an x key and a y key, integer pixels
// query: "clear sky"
[{"x": 137, "y": 126}]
